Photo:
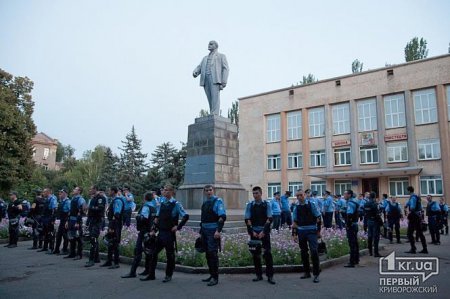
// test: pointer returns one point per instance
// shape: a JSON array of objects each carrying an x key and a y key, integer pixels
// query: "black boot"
[{"x": 132, "y": 272}]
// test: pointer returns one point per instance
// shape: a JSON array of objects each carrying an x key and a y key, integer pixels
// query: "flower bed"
[
  {"x": 235, "y": 251},
  {"x": 23, "y": 230}
]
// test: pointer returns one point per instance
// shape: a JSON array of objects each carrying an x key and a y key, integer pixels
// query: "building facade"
[
  {"x": 380, "y": 130},
  {"x": 44, "y": 151}
]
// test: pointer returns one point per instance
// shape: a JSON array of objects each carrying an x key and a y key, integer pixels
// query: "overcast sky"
[{"x": 100, "y": 67}]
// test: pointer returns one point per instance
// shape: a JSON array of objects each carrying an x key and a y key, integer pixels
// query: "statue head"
[{"x": 213, "y": 45}]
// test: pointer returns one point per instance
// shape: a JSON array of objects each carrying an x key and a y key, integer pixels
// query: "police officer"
[
  {"x": 286, "y": 217},
  {"x": 14, "y": 210},
  {"x": 144, "y": 224},
  {"x": 129, "y": 204},
  {"x": 444, "y": 210},
  {"x": 393, "y": 215},
  {"x": 434, "y": 220},
  {"x": 96, "y": 215},
  {"x": 341, "y": 210},
  {"x": 212, "y": 221},
  {"x": 276, "y": 211},
  {"x": 414, "y": 205},
  {"x": 305, "y": 216},
  {"x": 362, "y": 199},
  {"x": 372, "y": 213},
  {"x": 383, "y": 203},
  {"x": 167, "y": 223},
  {"x": 63, "y": 215},
  {"x": 312, "y": 197},
  {"x": 258, "y": 218},
  {"x": 328, "y": 209},
  {"x": 36, "y": 213},
  {"x": 74, "y": 224},
  {"x": 352, "y": 228},
  {"x": 48, "y": 219},
  {"x": 115, "y": 222}
]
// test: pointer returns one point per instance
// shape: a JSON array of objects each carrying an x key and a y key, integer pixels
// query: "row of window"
[
  {"x": 396, "y": 152},
  {"x": 397, "y": 186},
  {"x": 425, "y": 112}
]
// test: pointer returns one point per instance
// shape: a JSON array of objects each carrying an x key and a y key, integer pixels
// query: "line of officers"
[{"x": 158, "y": 220}]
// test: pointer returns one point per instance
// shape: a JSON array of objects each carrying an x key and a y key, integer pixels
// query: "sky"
[{"x": 100, "y": 67}]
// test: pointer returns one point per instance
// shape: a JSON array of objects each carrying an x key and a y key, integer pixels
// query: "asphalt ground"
[{"x": 30, "y": 274}]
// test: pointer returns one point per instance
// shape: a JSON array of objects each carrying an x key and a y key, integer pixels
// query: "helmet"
[
  {"x": 254, "y": 245},
  {"x": 29, "y": 222},
  {"x": 108, "y": 240},
  {"x": 199, "y": 245},
  {"x": 149, "y": 243}
]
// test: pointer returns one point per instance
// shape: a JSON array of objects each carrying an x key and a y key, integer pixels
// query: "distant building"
[
  {"x": 44, "y": 151},
  {"x": 379, "y": 130}
]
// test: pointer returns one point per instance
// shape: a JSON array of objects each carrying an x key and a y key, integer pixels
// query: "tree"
[
  {"x": 109, "y": 172},
  {"x": 203, "y": 113},
  {"x": 233, "y": 113},
  {"x": 357, "y": 66},
  {"x": 416, "y": 49},
  {"x": 168, "y": 164},
  {"x": 132, "y": 162},
  {"x": 16, "y": 130},
  {"x": 308, "y": 79}
]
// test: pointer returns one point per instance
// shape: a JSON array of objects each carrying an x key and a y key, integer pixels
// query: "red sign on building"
[{"x": 394, "y": 137}]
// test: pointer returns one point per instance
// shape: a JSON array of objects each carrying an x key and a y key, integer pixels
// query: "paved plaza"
[{"x": 29, "y": 274}]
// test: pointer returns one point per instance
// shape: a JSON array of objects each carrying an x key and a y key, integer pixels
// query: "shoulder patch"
[{"x": 100, "y": 200}]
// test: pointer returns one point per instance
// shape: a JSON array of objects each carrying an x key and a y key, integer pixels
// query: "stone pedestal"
[{"x": 212, "y": 158}]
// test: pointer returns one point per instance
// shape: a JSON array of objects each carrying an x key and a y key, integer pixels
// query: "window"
[
  {"x": 342, "y": 157},
  {"x": 369, "y": 155},
  {"x": 394, "y": 111},
  {"x": 294, "y": 125},
  {"x": 341, "y": 119},
  {"x": 273, "y": 162},
  {"x": 272, "y": 188},
  {"x": 316, "y": 122},
  {"x": 273, "y": 128},
  {"x": 431, "y": 185},
  {"x": 34, "y": 151},
  {"x": 294, "y": 186},
  {"x": 295, "y": 160},
  {"x": 318, "y": 158},
  {"x": 319, "y": 186},
  {"x": 429, "y": 149},
  {"x": 367, "y": 115},
  {"x": 341, "y": 186},
  {"x": 425, "y": 106},
  {"x": 397, "y": 152},
  {"x": 45, "y": 166},
  {"x": 397, "y": 186},
  {"x": 46, "y": 153}
]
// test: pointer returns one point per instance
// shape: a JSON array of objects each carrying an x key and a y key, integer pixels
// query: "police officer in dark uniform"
[
  {"x": 393, "y": 214},
  {"x": 36, "y": 213},
  {"x": 74, "y": 224},
  {"x": 115, "y": 222},
  {"x": 415, "y": 214},
  {"x": 167, "y": 223},
  {"x": 144, "y": 224},
  {"x": 96, "y": 214},
  {"x": 63, "y": 215},
  {"x": 14, "y": 210},
  {"x": 258, "y": 218},
  {"x": 434, "y": 220},
  {"x": 373, "y": 214},
  {"x": 48, "y": 219},
  {"x": 212, "y": 221},
  {"x": 306, "y": 216},
  {"x": 351, "y": 223}
]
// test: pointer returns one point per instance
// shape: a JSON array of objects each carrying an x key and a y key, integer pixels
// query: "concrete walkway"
[{"x": 29, "y": 274}]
